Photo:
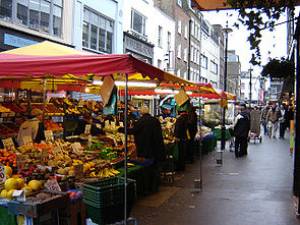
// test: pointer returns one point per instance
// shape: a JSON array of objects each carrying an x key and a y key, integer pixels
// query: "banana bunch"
[
  {"x": 4, "y": 109},
  {"x": 108, "y": 172}
]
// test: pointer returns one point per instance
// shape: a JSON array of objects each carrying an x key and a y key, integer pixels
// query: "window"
[
  {"x": 159, "y": 38},
  {"x": 186, "y": 32},
  {"x": 204, "y": 61},
  {"x": 185, "y": 55},
  {"x": 179, "y": 2},
  {"x": 6, "y": 9},
  {"x": 138, "y": 22},
  {"x": 159, "y": 63},
  {"x": 34, "y": 14},
  {"x": 169, "y": 40},
  {"x": 179, "y": 51},
  {"x": 213, "y": 67},
  {"x": 97, "y": 32},
  {"x": 179, "y": 26}
]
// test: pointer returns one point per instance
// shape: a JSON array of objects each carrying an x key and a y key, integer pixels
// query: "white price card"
[
  {"x": 52, "y": 185},
  {"x": 98, "y": 125},
  {"x": 49, "y": 135},
  {"x": 8, "y": 143},
  {"x": 87, "y": 129},
  {"x": 121, "y": 124},
  {"x": 2, "y": 174},
  {"x": 27, "y": 140}
]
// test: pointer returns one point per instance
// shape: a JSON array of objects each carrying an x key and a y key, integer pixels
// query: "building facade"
[
  {"x": 233, "y": 73},
  {"x": 257, "y": 95},
  {"x": 219, "y": 32},
  {"x": 210, "y": 54},
  {"x": 24, "y": 22},
  {"x": 98, "y": 28}
]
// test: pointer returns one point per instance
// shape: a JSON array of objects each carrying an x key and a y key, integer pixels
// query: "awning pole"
[
  {"x": 126, "y": 147},
  {"x": 44, "y": 96}
]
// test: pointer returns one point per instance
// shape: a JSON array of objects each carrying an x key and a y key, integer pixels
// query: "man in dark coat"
[
  {"x": 181, "y": 128},
  {"x": 192, "y": 129},
  {"x": 150, "y": 148},
  {"x": 241, "y": 132}
]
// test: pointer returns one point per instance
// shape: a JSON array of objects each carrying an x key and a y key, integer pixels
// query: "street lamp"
[
  {"x": 250, "y": 86},
  {"x": 226, "y": 30}
]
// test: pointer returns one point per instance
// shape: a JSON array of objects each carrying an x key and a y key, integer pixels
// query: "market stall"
[{"x": 66, "y": 158}]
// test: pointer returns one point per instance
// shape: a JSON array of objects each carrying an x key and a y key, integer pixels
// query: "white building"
[
  {"x": 245, "y": 86},
  {"x": 210, "y": 54},
  {"x": 98, "y": 27},
  {"x": 149, "y": 33}
]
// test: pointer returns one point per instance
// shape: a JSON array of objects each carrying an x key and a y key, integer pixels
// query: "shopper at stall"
[
  {"x": 241, "y": 131},
  {"x": 150, "y": 146},
  {"x": 192, "y": 129},
  {"x": 32, "y": 128},
  {"x": 181, "y": 134}
]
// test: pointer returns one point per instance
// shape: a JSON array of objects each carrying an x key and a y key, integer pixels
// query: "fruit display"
[
  {"x": 8, "y": 158},
  {"x": 4, "y": 109},
  {"x": 8, "y": 129},
  {"x": 55, "y": 127},
  {"x": 14, "y": 107},
  {"x": 50, "y": 109},
  {"x": 168, "y": 126}
]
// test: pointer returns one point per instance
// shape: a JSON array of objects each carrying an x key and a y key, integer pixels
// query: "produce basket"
[{"x": 105, "y": 199}]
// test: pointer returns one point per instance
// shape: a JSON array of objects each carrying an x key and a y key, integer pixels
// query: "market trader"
[
  {"x": 32, "y": 128},
  {"x": 150, "y": 146}
]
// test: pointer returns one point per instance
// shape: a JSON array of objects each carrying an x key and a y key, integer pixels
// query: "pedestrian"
[
  {"x": 32, "y": 128},
  {"x": 181, "y": 134},
  {"x": 149, "y": 146},
  {"x": 241, "y": 131},
  {"x": 273, "y": 117},
  {"x": 283, "y": 120},
  {"x": 264, "y": 121}
]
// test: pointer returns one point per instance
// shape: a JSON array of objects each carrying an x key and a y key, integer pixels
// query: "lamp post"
[
  {"x": 226, "y": 30},
  {"x": 250, "y": 86}
]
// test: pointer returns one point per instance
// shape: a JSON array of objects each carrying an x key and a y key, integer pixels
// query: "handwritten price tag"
[
  {"x": 49, "y": 135},
  {"x": 52, "y": 185},
  {"x": 8, "y": 143},
  {"x": 87, "y": 129},
  {"x": 2, "y": 174}
]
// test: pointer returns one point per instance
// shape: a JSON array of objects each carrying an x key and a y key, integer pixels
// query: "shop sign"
[
  {"x": 138, "y": 46},
  {"x": 17, "y": 41}
]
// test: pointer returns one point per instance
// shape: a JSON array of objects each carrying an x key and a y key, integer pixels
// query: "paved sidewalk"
[{"x": 255, "y": 190}]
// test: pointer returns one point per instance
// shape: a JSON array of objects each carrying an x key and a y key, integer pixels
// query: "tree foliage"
[
  {"x": 276, "y": 68},
  {"x": 258, "y": 15}
]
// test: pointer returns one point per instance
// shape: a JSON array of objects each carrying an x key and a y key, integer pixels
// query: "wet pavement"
[{"x": 256, "y": 189}]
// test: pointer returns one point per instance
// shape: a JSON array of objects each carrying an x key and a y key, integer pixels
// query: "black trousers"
[
  {"x": 241, "y": 145},
  {"x": 282, "y": 129},
  {"x": 182, "y": 146}
]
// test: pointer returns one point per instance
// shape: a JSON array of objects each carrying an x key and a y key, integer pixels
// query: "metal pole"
[
  {"x": 126, "y": 148},
  {"x": 189, "y": 51},
  {"x": 223, "y": 142},
  {"x": 44, "y": 96},
  {"x": 200, "y": 143},
  {"x": 250, "y": 84}
]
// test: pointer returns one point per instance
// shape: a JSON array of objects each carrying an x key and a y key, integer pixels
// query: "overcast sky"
[{"x": 274, "y": 42}]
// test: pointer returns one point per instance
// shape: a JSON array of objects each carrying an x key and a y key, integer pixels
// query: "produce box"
[
  {"x": 36, "y": 208},
  {"x": 105, "y": 199}
]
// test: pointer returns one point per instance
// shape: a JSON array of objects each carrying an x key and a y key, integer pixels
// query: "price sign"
[
  {"x": 98, "y": 125},
  {"x": 2, "y": 174},
  {"x": 8, "y": 143},
  {"x": 121, "y": 124},
  {"x": 52, "y": 185},
  {"x": 27, "y": 140},
  {"x": 49, "y": 135},
  {"x": 87, "y": 129}
]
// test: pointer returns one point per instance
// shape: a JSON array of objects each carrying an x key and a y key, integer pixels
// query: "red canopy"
[{"x": 12, "y": 65}]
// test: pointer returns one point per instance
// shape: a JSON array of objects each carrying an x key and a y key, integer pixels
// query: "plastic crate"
[{"x": 105, "y": 199}]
